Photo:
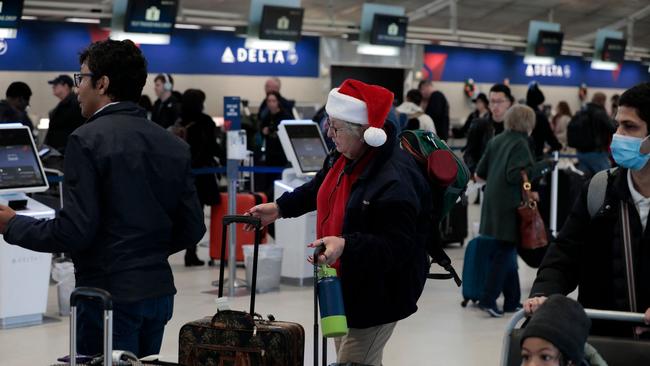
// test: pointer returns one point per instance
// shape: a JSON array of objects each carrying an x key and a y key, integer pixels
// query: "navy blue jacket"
[
  {"x": 388, "y": 221},
  {"x": 129, "y": 201}
]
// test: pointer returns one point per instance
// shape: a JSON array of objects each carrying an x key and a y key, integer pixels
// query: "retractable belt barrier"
[{"x": 209, "y": 170}]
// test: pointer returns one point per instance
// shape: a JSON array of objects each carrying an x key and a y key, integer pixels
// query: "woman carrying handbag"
[{"x": 506, "y": 156}]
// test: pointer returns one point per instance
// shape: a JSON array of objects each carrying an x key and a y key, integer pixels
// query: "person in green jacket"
[{"x": 505, "y": 157}]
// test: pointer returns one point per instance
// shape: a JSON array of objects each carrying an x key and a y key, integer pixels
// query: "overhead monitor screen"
[
  {"x": 389, "y": 30},
  {"x": 151, "y": 16},
  {"x": 614, "y": 50},
  {"x": 549, "y": 44},
  {"x": 308, "y": 146},
  {"x": 20, "y": 167},
  {"x": 281, "y": 23},
  {"x": 10, "y": 13}
]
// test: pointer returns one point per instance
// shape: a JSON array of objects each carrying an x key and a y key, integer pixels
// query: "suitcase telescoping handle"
[
  {"x": 85, "y": 293},
  {"x": 257, "y": 224}
]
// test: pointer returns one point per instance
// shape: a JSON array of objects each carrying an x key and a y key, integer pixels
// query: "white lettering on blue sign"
[
  {"x": 553, "y": 71},
  {"x": 254, "y": 56},
  {"x": 3, "y": 47}
]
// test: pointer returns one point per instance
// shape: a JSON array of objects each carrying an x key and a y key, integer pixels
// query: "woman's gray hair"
[{"x": 520, "y": 118}]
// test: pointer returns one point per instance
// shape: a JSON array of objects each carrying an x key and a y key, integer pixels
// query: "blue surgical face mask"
[{"x": 627, "y": 152}]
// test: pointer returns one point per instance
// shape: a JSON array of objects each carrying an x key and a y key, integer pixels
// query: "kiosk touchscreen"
[
  {"x": 24, "y": 274},
  {"x": 20, "y": 166},
  {"x": 305, "y": 148}
]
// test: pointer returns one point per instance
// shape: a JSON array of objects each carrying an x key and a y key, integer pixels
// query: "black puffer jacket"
[
  {"x": 588, "y": 254},
  {"x": 388, "y": 221}
]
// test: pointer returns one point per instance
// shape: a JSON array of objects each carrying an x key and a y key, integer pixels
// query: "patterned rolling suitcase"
[
  {"x": 244, "y": 202},
  {"x": 238, "y": 338}
]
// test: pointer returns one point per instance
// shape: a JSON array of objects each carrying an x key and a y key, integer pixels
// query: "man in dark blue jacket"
[{"x": 129, "y": 202}]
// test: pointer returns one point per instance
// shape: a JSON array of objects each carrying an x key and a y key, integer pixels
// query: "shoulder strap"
[
  {"x": 596, "y": 191},
  {"x": 629, "y": 257}
]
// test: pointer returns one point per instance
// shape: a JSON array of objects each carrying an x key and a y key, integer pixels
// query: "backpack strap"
[{"x": 596, "y": 191}]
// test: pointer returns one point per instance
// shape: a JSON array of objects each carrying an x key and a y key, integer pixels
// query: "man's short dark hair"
[
  {"x": 124, "y": 65},
  {"x": 414, "y": 96},
  {"x": 502, "y": 88},
  {"x": 18, "y": 89},
  {"x": 423, "y": 83},
  {"x": 161, "y": 78},
  {"x": 638, "y": 97}
]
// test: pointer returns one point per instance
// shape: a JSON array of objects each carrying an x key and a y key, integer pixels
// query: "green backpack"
[
  {"x": 445, "y": 170},
  {"x": 448, "y": 177}
]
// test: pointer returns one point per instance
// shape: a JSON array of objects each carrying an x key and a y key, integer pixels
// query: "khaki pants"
[{"x": 364, "y": 346}]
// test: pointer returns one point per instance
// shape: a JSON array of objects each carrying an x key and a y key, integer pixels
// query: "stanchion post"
[
  {"x": 236, "y": 152},
  {"x": 554, "y": 194}
]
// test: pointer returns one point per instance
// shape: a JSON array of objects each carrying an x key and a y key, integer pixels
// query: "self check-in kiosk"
[
  {"x": 305, "y": 148},
  {"x": 24, "y": 274}
]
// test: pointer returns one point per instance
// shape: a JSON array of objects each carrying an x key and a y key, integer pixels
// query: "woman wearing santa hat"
[{"x": 374, "y": 210}]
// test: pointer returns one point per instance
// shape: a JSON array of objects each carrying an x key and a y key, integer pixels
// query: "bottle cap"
[{"x": 326, "y": 271}]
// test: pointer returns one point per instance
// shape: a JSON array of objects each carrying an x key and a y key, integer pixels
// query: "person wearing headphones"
[{"x": 166, "y": 109}]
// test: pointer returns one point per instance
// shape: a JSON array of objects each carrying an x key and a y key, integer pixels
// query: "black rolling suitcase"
[
  {"x": 453, "y": 227},
  {"x": 110, "y": 357}
]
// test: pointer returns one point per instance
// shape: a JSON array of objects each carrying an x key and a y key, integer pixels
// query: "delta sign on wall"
[
  {"x": 50, "y": 46},
  {"x": 491, "y": 66}
]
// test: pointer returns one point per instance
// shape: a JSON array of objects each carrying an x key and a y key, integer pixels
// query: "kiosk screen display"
[
  {"x": 308, "y": 146},
  {"x": 20, "y": 167}
]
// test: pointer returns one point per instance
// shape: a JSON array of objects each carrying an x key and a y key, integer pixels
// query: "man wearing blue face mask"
[{"x": 604, "y": 247}]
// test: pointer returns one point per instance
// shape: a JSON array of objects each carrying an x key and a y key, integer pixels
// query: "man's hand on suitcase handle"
[
  {"x": 531, "y": 305},
  {"x": 267, "y": 212},
  {"x": 334, "y": 246},
  {"x": 6, "y": 214}
]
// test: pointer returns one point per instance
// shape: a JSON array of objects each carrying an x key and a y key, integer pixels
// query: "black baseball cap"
[{"x": 62, "y": 79}]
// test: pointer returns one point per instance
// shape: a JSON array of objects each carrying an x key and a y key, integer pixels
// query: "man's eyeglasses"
[
  {"x": 498, "y": 101},
  {"x": 79, "y": 77}
]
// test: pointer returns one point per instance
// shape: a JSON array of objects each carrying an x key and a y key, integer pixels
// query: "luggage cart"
[{"x": 616, "y": 351}]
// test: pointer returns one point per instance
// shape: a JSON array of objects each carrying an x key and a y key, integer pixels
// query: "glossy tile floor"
[{"x": 440, "y": 333}]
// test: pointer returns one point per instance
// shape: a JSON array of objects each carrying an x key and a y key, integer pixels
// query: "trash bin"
[
  {"x": 269, "y": 266},
  {"x": 63, "y": 275}
]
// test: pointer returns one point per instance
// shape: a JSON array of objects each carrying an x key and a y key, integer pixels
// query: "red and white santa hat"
[{"x": 363, "y": 104}]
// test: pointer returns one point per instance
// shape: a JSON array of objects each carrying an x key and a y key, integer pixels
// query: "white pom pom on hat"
[
  {"x": 363, "y": 104},
  {"x": 374, "y": 136}
]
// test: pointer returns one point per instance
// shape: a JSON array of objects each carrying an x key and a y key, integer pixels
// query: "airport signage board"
[
  {"x": 457, "y": 64},
  {"x": 190, "y": 52}
]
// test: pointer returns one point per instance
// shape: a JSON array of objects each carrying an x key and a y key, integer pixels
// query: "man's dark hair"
[
  {"x": 423, "y": 83},
  {"x": 414, "y": 96},
  {"x": 162, "y": 79},
  {"x": 638, "y": 97},
  {"x": 502, "y": 88},
  {"x": 192, "y": 103},
  {"x": 124, "y": 65},
  {"x": 18, "y": 89}
]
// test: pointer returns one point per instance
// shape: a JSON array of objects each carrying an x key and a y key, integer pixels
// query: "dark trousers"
[
  {"x": 138, "y": 327},
  {"x": 502, "y": 277}
]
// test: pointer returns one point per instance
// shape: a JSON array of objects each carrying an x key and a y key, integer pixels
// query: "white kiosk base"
[
  {"x": 294, "y": 235},
  {"x": 24, "y": 274}
]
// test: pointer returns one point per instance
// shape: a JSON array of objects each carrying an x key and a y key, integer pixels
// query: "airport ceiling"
[{"x": 579, "y": 18}]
